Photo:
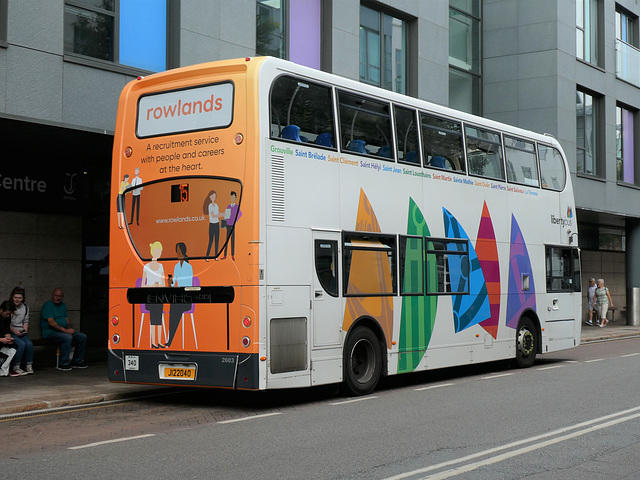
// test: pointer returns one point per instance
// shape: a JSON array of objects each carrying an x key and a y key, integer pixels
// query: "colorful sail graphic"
[
  {"x": 465, "y": 274},
  {"x": 361, "y": 281},
  {"x": 487, "y": 250},
  {"x": 522, "y": 292},
  {"x": 418, "y": 311}
]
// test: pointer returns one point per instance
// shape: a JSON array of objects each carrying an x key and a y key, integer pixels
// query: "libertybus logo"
[{"x": 187, "y": 110}]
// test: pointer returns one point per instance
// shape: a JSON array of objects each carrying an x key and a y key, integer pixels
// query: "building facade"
[{"x": 568, "y": 68}]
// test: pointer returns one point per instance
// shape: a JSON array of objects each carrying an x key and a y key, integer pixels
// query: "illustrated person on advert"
[
  {"x": 135, "y": 204},
  {"x": 182, "y": 277},
  {"x": 210, "y": 208},
  {"x": 231, "y": 215},
  {"x": 153, "y": 276}
]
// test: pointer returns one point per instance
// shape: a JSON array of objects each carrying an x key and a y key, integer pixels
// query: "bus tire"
[
  {"x": 362, "y": 363},
  {"x": 526, "y": 343}
]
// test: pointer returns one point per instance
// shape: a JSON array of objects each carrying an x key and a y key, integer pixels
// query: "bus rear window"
[
  {"x": 200, "y": 212},
  {"x": 302, "y": 111}
]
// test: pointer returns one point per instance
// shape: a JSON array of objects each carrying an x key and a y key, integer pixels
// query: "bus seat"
[
  {"x": 411, "y": 157},
  {"x": 357, "y": 146},
  {"x": 438, "y": 162},
  {"x": 291, "y": 132},
  {"x": 385, "y": 151},
  {"x": 325, "y": 139}
]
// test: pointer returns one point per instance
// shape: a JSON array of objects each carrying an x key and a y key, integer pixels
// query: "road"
[{"x": 574, "y": 415}]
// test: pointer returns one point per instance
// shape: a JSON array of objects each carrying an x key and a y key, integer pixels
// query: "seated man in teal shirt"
[{"x": 55, "y": 326}]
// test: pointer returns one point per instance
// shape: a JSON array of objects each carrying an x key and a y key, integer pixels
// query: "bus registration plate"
[{"x": 178, "y": 372}]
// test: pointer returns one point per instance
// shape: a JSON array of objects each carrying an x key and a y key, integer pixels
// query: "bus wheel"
[
  {"x": 362, "y": 361},
  {"x": 526, "y": 343}
]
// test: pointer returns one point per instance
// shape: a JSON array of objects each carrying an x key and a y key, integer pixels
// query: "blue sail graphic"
[{"x": 465, "y": 274}]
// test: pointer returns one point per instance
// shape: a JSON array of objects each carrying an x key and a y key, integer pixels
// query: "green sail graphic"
[{"x": 418, "y": 310}]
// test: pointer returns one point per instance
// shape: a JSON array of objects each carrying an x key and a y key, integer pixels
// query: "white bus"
[{"x": 380, "y": 234}]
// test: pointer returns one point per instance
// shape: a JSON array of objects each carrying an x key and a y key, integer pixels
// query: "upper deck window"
[
  {"x": 522, "y": 166},
  {"x": 484, "y": 151},
  {"x": 302, "y": 111},
  {"x": 365, "y": 126},
  {"x": 407, "y": 136},
  {"x": 442, "y": 143},
  {"x": 552, "y": 169}
]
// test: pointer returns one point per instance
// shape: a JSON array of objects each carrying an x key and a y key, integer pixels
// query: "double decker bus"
[{"x": 274, "y": 226}]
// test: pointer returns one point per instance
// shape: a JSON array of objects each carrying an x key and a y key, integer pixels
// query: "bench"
[{"x": 45, "y": 342}]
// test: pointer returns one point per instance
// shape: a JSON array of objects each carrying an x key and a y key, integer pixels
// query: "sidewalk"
[{"x": 50, "y": 388}]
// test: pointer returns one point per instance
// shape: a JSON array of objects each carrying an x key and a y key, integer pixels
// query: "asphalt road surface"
[{"x": 574, "y": 415}]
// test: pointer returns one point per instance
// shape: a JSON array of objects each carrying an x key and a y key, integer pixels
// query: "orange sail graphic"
[{"x": 369, "y": 276}]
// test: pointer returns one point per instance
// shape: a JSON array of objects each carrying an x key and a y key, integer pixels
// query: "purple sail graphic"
[{"x": 522, "y": 291}]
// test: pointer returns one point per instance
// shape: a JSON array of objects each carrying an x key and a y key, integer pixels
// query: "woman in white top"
[
  {"x": 153, "y": 276},
  {"x": 19, "y": 329}
]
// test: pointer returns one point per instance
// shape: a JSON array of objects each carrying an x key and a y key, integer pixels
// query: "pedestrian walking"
[{"x": 602, "y": 299}]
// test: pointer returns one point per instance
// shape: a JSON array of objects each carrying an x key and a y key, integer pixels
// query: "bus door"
[
  {"x": 328, "y": 308},
  {"x": 327, "y": 305},
  {"x": 563, "y": 296}
]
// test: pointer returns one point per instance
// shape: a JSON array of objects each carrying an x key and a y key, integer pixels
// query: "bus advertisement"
[{"x": 274, "y": 226}]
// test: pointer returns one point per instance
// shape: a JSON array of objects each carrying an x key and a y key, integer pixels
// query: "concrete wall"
[
  {"x": 36, "y": 83},
  {"x": 611, "y": 267},
  {"x": 42, "y": 252}
]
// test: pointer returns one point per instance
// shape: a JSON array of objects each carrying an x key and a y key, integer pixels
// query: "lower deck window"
[
  {"x": 451, "y": 259},
  {"x": 563, "y": 269},
  {"x": 369, "y": 264}
]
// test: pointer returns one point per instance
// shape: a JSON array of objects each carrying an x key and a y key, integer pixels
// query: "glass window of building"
[
  {"x": 588, "y": 26},
  {"x": 586, "y": 133},
  {"x": 125, "y": 32},
  {"x": 3, "y": 22},
  {"x": 383, "y": 50},
  {"x": 305, "y": 33},
  {"x": 626, "y": 27},
  {"x": 465, "y": 47},
  {"x": 625, "y": 144},
  {"x": 271, "y": 28},
  {"x": 627, "y": 51}
]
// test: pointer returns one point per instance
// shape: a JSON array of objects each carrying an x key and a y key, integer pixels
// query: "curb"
[{"x": 16, "y": 407}]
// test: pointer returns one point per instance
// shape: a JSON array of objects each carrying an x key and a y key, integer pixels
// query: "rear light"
[
  {"x": 246, "y": 341},
  {"x": 115, "y": 320},
  {"x": 115, "y": 339},
  {"x": 246, "y": 322}
]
